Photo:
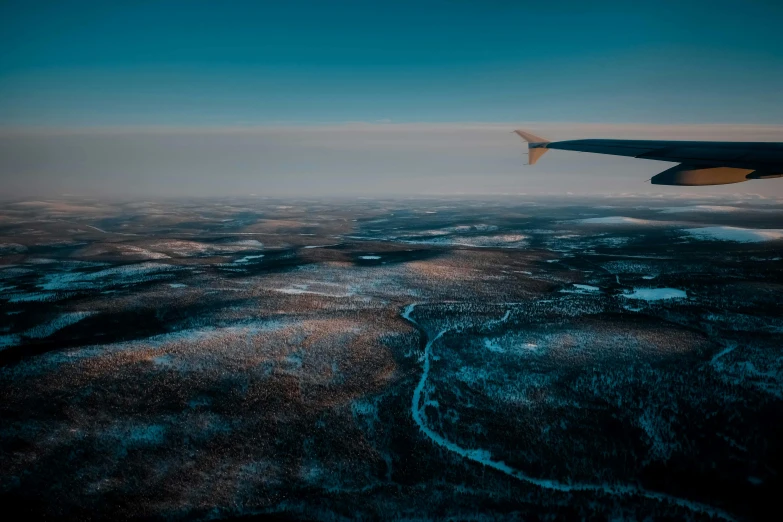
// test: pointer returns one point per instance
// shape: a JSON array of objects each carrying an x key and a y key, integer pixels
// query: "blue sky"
[
  {"x": 315, "y": 61},
  {"x": 318, "y": 97}
]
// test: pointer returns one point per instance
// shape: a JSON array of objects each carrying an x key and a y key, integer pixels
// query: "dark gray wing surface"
[{"x": 702, "y": 162}]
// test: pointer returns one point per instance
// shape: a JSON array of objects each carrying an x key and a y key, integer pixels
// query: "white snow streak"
[
  {"x": 619, "y": 220},
  {"x": 736, "y": 234},
  {"x": 656, "y": 294}
]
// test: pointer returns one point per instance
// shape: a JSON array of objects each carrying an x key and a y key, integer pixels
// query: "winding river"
[{"x": 420, "y": 401}]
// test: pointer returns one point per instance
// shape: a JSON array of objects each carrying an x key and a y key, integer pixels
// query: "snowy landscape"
[{"x": 614, "y": 358}]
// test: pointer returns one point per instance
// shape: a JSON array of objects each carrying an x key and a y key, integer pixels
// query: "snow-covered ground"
[
  {"x": 58, "y": 323},
  {"x": 737, "y": 234},
  {"x": 41, "y": 297},
  {"x": 496, "y": 241},
  {"x": 9, "y": 340},
  {"x": 123, "y": 274},
  {"x": 305, "y": 289},
  {"x": 621, "y": 220},
  {"x": 130, "y": 250},
  {"x": 656, "y": 294},
  {"x": 711, "y": 208},
  {"x": 580, "y": 289},
  {"x": 421, "y": 400},
  {"x": 12, "y": 248},
  {"x": 45, "y": 329},
  {"x": 247, "y": 259}
]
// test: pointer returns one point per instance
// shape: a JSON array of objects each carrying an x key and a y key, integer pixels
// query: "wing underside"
[{"x": 701, "y": 162}]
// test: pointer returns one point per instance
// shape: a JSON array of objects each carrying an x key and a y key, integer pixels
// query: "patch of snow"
[
  {"x": 369, "y": 257},
  {"x": 658, "y": 432},
  {"x": 60, "y": 322},
  {"x": 124, "y": 274},
  {"x": 247, "y": 259},
  {"x": 736, "y": 234},
  {"x": 130, "y": 250},
  {"x": 303, "y": 290},
  {"x": 12, "y": 248},
  {"x": 495, "y": 241},
  {"x": 105, "y": 232},
  {"x": 12, "y": 271},
  {"x": 619, "y": 220},
  {"x": 33, "y": 297},
  {"x": 656, "y": 294},
  {"x": 613, "y": 241},
  {"x": 581, "y": 289},
  {"x": 249, "y": 243},
  {"x": 729, "y": 348},
  {"x": 472, "y": 228},
  {"x": 709, "y": 208},
  {"x": 493, "y": 346},
  {"x": 9, "y": 340}
]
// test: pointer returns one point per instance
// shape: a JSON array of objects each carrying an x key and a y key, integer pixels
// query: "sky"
[{"x": 136, "y": 97}]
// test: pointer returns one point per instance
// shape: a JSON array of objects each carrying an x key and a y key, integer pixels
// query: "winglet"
[
  {"x": 530, "y": 138},
  {"x": 536, "y": 146}
]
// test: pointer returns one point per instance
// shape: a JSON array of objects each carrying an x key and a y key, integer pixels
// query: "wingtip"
[
  {"x": 530, "y": 137},
  {"x": 537, "y": 146}
]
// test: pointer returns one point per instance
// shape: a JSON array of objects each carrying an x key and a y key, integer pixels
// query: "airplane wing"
[{"x": 701, "y": 162}]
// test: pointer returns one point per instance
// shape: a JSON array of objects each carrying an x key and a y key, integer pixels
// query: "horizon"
[{"x": 350, "y": 159}]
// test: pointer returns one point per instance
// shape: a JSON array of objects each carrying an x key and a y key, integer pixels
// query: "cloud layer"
[{"x": 345, "y": 159}]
